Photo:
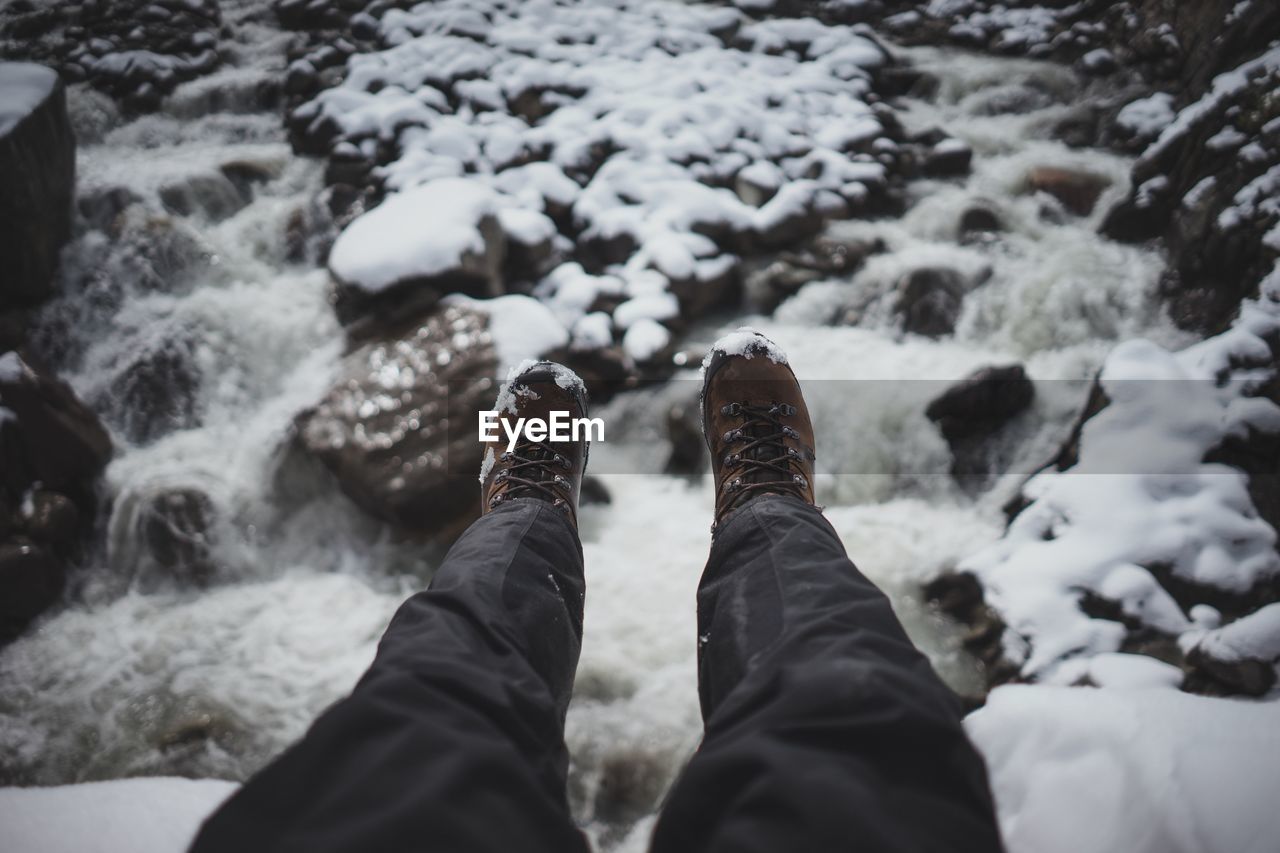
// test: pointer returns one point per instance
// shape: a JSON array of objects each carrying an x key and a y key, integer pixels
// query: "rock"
[
  {"x": 37, "y": 180},
  {"x": 929, "y": 301},
  {"x": 978, "y": 221},
  {"x": 973, "y": 411},
  {"x": 54, "y": 521},
  {"x": 594, "y": 492},
  {"x": 212, "y": 194},
  {"x": 1077, "y": 190},
  {"x": 176, "y": 526},
  {"x": 441, "y": 237},
  {"x": 949, "y": 158},
  {"x": 1207, "y": 674},
  {"x": 31, "y": 580},
  {"x": 768, "y": 282},
  {"x": 61, "y": 442},
  {"x": 688, "y": 447},
  {"x": 398, "y": 430},
  {"x": 981, "y": 402}
]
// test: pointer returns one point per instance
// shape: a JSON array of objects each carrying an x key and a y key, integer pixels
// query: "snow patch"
[{"x": 24, "y": 86}]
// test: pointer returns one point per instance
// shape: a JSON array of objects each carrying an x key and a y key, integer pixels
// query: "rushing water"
[{"x": 141, "y": 675}]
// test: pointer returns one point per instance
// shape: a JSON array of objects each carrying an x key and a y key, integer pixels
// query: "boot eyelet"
[
  {"x": 561, "y": 481},
  {"x": 563, "y": 461},
  {"x": 790, "y": 433},
  {"x": 735, "y": 484},
  {"x": 732, "y": 459},
  {"x": 501, "y": 476},
  {"x": 562, "y": 504},
  {"x": 495, "y": 500},
  {"x": 730, "y": 435},
  {"x": 729, "y": 409},
  {"x": 793, "y": 453},
  {"x": 800, "y": 480},
  {"x": 505, "y": 457}
]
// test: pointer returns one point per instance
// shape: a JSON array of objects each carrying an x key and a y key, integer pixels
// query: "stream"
[{"x": 200, "y": 380}]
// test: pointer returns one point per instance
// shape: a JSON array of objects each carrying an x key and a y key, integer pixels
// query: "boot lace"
[
  {"x": 763, "y": 451},
  {"x": 532, "y": 470}
]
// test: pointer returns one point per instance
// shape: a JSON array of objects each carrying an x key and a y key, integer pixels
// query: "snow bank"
[
  {"x": 1144, "y": 771},
  {"x": 156, "y": 815},
  {"x": 1140, "y": 497}
]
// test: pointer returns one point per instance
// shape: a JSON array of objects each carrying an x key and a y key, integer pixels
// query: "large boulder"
[
  {"x": 52, "y": 449},
  {"x": 399, "y": 428},
  {"x": 972, "y": 412},
  {"x": 37, "y": 180}
]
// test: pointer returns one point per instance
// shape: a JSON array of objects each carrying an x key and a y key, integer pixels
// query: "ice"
[
  {"x": 23, "y": 87},
  {"x": 1141, "y": 770},
  {"x": 415, "y": 234}
]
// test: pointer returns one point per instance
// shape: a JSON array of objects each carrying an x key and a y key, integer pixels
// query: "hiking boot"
[
  {"x": 547, "y": 470},
  {"x": 755, "y": 423}
]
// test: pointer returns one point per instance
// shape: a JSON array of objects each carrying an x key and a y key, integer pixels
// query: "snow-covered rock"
[
  {"x": 614, "y": 135},
  {"x": 1140, "y": 528},
  {"x": 37, "y": 179}
]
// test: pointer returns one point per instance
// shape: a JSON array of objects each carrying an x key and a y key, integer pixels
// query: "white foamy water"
[{"x": 139, "y": 675}]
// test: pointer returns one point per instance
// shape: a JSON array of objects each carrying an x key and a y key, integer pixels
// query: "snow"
[
  {"x": 150, "y": 815},
  {"x": 23, "y": 87},
  {"x": 636, "y": 115},
  {"x": 748, "y": 343},
  {"x": 1140, "y": 497},
  {"x": 1139, "y": 770},
  {"x": 645, "y": 339},
  {"x": 12, "y": 368},
  {"x": 521, "y": 327},
  {"x": 1252, "y": 637},
  {"x": 416, "y": 234},
  {"x": 506, "y": 399},
  {"x": 1146, "y": 118}
]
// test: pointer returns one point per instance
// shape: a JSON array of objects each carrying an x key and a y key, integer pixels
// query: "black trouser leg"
[
  {"x": 454, "y": 739},
  {"x": 826, "y": 730}
]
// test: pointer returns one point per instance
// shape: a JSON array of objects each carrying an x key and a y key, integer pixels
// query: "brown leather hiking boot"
[
  {"x": 546, "y": 469},
  {"x": 755, "y": 422}
]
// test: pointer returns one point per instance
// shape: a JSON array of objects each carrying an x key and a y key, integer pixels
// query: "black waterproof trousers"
[{"x": 826, "y": 730}]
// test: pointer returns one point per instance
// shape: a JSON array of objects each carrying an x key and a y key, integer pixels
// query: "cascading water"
[{"x": 200, "y": 333}]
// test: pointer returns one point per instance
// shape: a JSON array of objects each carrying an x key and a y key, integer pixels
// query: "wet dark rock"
[
  {"x": 155, "y": 392},
  {"x": 1077, "y": 190},
  {"x": 1247, "y": 677},
  {"x": 54, "y": 521},
  {"x": 31, "y": 580},
  {"x": 767, "y": 282},
  {"x": 594, "y": 492},
  {"x": 948, "y": 158},
  {"x": 213, "y": 195},
  {"x": 972, "y": 414},
  {"x": 101, "y": 207},
  {"x": 37, "y": 180},
  {"x": 960, "y": 596},
  {"x": 177, "y": 526},
  {"x": 982, "y": 402},
  {"x": 977, "y": 220},
  {"x": 688, "y": 447},
  {"x": 56, "y": 440},
  {"x": 929, "y": 300},
  {"x": 398, "y": 428}
]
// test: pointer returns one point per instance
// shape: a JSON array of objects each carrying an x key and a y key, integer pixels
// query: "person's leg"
[
  {"x": 826, "y": 729},
  {"x": 454, "y": 739}
]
